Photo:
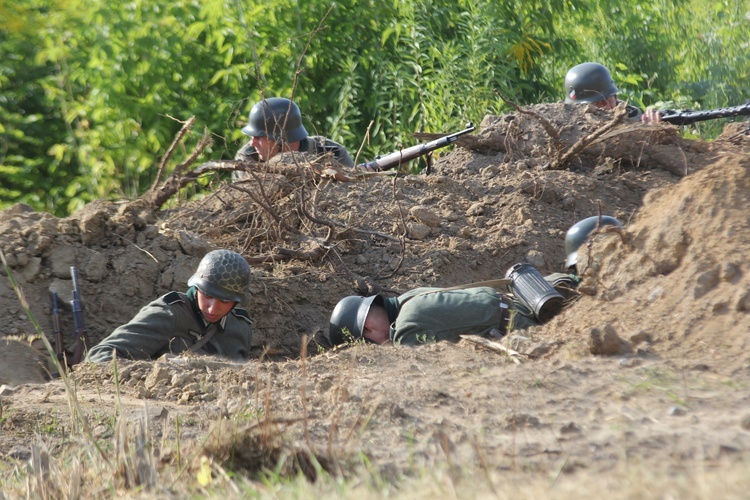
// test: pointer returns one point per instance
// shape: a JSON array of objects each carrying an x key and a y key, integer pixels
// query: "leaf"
[
  {"x": 196, "y": 29},
  {"x": 203, "y": 476}
]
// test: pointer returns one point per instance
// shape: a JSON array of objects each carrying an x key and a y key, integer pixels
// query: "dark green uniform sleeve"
[{"x": 445, "y": 315}]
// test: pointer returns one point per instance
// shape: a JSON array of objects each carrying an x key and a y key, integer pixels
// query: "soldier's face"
[
  {"x": 213, "y": 309},
  {"x": 377, "y": 326},
  {"x": 266, "y": 148},
  {"x": 608, "y": 103}
]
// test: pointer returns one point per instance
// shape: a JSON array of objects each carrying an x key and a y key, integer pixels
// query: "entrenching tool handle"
[
  {"x": 56, "y": 329},
  {"x": 82, "y": 338}
]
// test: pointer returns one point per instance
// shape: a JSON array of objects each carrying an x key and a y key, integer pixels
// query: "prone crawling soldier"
[{"x": 427, "y": 315}]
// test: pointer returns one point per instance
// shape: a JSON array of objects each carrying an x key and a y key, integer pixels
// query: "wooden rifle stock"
[
  {"x": 397, "y": 158},
  {"x": 688, "y": 117}
]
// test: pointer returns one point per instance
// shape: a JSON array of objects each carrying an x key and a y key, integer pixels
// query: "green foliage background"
[{"x": 93, "y": 92}]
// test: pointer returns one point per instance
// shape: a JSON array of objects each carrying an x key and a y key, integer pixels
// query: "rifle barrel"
[
  {"x": 688, "y": 117},
  {"x": 402, "y": 156}
]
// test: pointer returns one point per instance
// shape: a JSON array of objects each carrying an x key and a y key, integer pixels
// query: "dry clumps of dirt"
[
  {"x": 504, "y": 196},
  {"x": 680, "y": 285}
]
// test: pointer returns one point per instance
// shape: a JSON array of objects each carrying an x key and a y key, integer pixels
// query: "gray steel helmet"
[
  {"x": 589, "y": 82},
  {"x": 223, "y": 274},
  {"x": 348, "y": 318},
  {"x": 579, "y": 233},
  {"x": 277, "y": 118}
]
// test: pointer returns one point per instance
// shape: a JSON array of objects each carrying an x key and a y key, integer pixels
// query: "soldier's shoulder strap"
[
  {"x": 242, "y": 314},
  {"x": 321, "y": 145},
  {"x": 173, "y": 298}
]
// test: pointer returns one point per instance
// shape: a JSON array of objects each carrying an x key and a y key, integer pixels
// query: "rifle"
[
  {"x": 688, "y": 117},
  {"x": 82, "y": 338},
  {"x": 392, "y": 160},
  {"x": 56, "y": 330}
]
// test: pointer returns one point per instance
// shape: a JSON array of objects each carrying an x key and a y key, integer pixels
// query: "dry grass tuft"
[{"x": 262, "y": 448}]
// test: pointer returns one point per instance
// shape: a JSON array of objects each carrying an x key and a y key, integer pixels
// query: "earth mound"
[{"x": 489, "y": 204}]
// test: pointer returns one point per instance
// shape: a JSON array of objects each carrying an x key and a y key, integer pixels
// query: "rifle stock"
[
  {"x": 397, "y": 158},
  {"x": 688, "y": 117},
  {"x": 82, "y": 338}
]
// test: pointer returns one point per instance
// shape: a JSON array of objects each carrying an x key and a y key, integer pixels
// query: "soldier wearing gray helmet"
[
  {"x": 420, "y": 316},
  {"x": 426, "y": 315},
  {"x": 275, "y": 126},
  {"x": 204, "y": 320},
  {"x": 592, "y": 83}
]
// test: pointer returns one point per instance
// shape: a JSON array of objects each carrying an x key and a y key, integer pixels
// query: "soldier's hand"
[{"x": 651, "y": 116}]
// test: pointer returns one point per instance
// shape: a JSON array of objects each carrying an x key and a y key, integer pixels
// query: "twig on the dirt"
[
  {"x": 282, "y": 254},
  {"x": 365, "y": 231},
  {"x": 187, "y": 125},
  {"x": 401, "y": 239},
  {"x": 139, "y": 248},
  {"x": 265, "y": 204},
  {"x": 558, "y": 161},
  {"x": 366, "y": 139},
  {"x": 331, "y": 226},
  {"x": 554, "y": 135},
  {"x": 514, "y": 356},
  {"x": 303, "y": 395}
]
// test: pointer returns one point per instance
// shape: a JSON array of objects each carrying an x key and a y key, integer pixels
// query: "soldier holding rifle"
[
  {"x": 592, "y": 83},
  {"x": 275, "y": 126}
]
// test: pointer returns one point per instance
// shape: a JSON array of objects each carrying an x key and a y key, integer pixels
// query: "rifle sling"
[
  {"x": 204, "y": 340},
  {"x": 492, "y": 283}
]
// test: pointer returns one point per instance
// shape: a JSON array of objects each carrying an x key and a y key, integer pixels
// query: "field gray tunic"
[
  {"x": 314, "y": 144},
  {"x": 419, "y": 318},
  {"x": 173, "y": 324}
]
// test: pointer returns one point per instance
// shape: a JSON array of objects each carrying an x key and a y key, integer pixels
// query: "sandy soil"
[{"x": 645, "y": 375}]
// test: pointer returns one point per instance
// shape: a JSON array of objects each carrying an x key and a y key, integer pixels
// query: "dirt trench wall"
[
  {"x": 121, "y": 266},
  {"x": 482, "y": 210}
]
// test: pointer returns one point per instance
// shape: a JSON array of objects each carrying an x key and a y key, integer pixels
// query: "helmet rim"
[
  {"x": 350, "y": 313},
  {"x": 579, "y": 232}
]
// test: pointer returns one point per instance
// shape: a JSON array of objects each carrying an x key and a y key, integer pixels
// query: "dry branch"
[
  {"x": 515, "y": 356},
  {"x": 177, "y": 139},
  {"x": 558, "y": 161},
  {"x": 554, "y": 135}
]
